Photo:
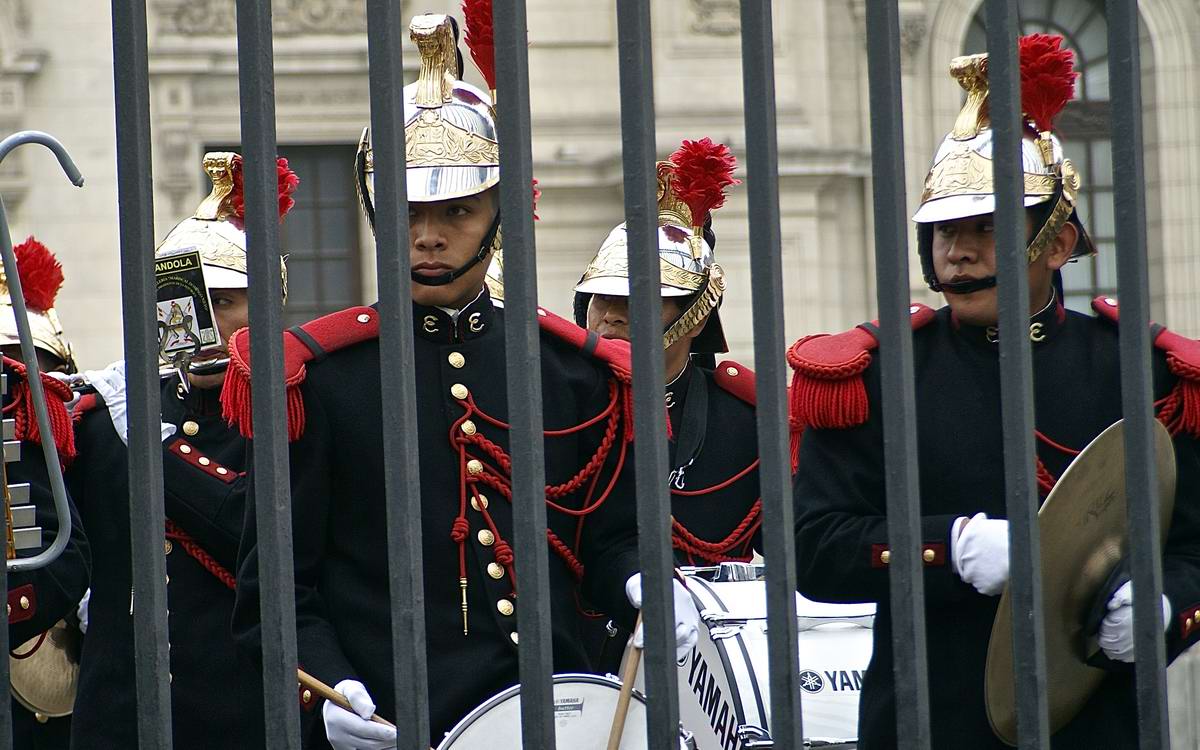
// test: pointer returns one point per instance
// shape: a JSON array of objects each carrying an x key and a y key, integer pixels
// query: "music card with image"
[{"x": 185, "y": 316}]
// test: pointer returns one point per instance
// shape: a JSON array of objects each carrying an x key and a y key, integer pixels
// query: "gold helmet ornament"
[
  {"x": 690, "y": 186},
  {"x": 959, "y": 184},
  {"x": 41, "y": 278},
  {"x": 451, "y": 148}
]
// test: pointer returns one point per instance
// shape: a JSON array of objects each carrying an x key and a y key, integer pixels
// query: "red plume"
[
  {"x": 1047, "y": 78},
  {"x": 536, "y": 195},
  {"x": 703, "y": 170},
  {"x": 288, "y": 182},
  {"x": 477, "y": 15},
  {"x": 41, "y": 274}
]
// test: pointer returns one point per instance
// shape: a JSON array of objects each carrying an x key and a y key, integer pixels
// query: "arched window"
[{"x": 1083, "y": 127}]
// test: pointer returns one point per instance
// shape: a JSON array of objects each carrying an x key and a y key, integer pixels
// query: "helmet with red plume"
[{"x": 41, "y": 279}]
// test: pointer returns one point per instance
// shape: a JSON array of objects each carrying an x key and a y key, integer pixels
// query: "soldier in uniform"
[
  {"x": 216, "y": 690},
  {"x": 841, "y": 537},
  {"x": 41, "y": 602},
  {"x": 472, "y": 608},
  {"x": 713, "y": 433}
]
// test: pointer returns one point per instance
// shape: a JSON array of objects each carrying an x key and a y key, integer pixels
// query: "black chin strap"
[
  {"x": 964, "y": 287},
  {"x": 484, "y": 248}
]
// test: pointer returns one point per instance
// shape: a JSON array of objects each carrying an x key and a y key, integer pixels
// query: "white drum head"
[{"x": 583, "y": 713}]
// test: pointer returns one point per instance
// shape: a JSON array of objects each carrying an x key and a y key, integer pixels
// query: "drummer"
[
  {"x": 841, "y": 538},
  {"x": 335, "y": 421}
]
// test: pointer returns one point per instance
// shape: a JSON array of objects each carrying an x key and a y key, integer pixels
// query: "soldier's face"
[
  {"x": 443, "y": 237},
  {"x": 608, "y": 315},
  {"x": 965, "y": 250},
  {"x": 231, "y": 308}
]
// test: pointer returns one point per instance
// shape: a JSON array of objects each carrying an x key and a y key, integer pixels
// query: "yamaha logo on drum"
[{"x": 811, "y": 682}]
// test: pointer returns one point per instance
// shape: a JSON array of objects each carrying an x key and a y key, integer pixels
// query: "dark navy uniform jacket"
[
  {"x": 216, "y": 690},
  {"x": 841, "y": 533},
  {"x": 342, "y": 605}
]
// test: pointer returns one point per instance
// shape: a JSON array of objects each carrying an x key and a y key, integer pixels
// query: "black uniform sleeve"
[
  {"x": 208, "y": 509},
  {"x": 841, "y": 517},
  {"x": 318, "y": 649},
  {"x": 1181, "y": 554},
  {"x": 57, "y": 588}
]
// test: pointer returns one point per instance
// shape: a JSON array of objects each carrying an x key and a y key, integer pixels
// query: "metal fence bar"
[
  {"x": 146, "y": 516},
  {"x": 272, "y": 483},
  {"x": 1016, "y": 377},
  {"x": 650, "y": 427},
  {"x": 905, "y": 577},
  {"x": 522, "y": 340},
  {"x": 401, "y": 461},
  {"x": 1141, "y": 480},
  {"x": 766, "y": 279}
]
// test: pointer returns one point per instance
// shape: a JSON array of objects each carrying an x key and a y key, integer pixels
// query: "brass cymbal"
[
  {"x": 45, "y": 681},
  {"x": 1084, "y": 534}
]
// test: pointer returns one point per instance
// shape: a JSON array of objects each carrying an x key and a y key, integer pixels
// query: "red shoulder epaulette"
[
  {"x": 1179, "y": 410},
  {"x": 20, "y": 409},
  {"x": 87, "y": 402},
  {"x": 738, "y": 380},
  {"x": 301, "y": 345},
  {"x": 827, "y": 388},
  {"x": 612, "y": 352}
]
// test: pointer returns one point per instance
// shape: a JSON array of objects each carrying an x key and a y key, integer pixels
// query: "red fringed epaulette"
[
  {"x": 827, "y": 388},
  {"x": 87, "y": 402},
  {"x": 301, "y": 345},
  {"x": 738, "y": 380},
  {"x": 1179, "y": 410},
  {"x": 20, "y": 408}
]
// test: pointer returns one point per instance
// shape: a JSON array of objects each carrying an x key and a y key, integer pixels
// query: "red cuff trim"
[
  {"x": 189, "y": 453},
  {"x": 1189, "y": 622},
  {"x": 22, "y": 603}
]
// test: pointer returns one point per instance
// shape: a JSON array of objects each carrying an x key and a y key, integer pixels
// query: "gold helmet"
[
  {"x": 451, "y": 147},
  {"x": 41, "y": 278},
  {"x": 960, "y": 185},
  {"x": 218, "y": 230},
  {"x": 690, "y": 186}
]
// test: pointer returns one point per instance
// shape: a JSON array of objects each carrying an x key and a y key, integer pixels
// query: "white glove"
[
  {"x": 355, "y": 731},
  {"x": 82, "y": 611},
  {"x": 1116, "y": 629},
  {"x": 110, "y": 384},
  {"x": 687, "y": 618},
  {"x": 979, "y": 547}
]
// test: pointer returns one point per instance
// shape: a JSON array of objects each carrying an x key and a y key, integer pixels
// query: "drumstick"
[
  {"x": 629, "y": 673},
  {"x": 334, "y": 697}
]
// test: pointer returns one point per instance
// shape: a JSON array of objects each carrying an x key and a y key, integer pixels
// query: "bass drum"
[
  {"x": 583, "y": 714},
  {"x": 724, "y": 684}
]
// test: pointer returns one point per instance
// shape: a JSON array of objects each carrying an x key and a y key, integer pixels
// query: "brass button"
[
  {"x": 41, "y": 717},
  {"x": 204, "y": 460},
  {"x": 363, "y": 318},
  {"x": 474, "y": 466},
  {"x": 505, "y": 607},
  {"x": 513, "y": 637},
  {"x": 479, "y": 502},
  {"x": 541, "y": 312},
  {"x": 190, "y": 428},
  {"x": 167, "y": 547},
  {"x": 222, "y": 470},
  {"x": 468, "y": 427},
  {"x": 731, "y": 371},
  {"x": 306, "y": 696},
  {"x": 928, "y": 555},
  {"x": 170, "y": 678},
  {"x": 495, "y": 570},
  {"x": 9, "y": 610},
  {"x": 885, "y": 557},
  {"x": 24, "y": 602},
  {"x": 486, "y": 537},
  {"x": 459, "y": 391},
  {"x": 456, "y": 360},
  {"x": 1196, "y": 618},
  {"x": 185, "y": 449}
]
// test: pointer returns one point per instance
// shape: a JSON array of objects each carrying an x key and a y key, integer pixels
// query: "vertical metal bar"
[
  {"x": 146, "y": 517},
  {"x": 650, "y": 429},
  {"x": 766, "y": 279},
  {"x": 907, "y": 584},
  {"x": 272, "y": 483},
  {"x": 1016, "y": 377},
  {"x": 1141, "y": 480},
  {"x": 401, "y": 465},
  {"x": 6, "y": 700},
  {"x": 522, "y": 340}
]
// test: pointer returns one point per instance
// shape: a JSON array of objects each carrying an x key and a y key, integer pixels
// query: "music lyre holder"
[{"x": 29, "y": 355}]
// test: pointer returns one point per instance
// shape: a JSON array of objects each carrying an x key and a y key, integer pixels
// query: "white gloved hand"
[
  {"x": 980, "y": 552},
  {"x": 1116, "y": 629},
  {"x": 355, "y": 731},
  {"x": 82, "y": 611},
  {"x": 687, "y": 618},
  {"x": 110, "y": 384}
]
